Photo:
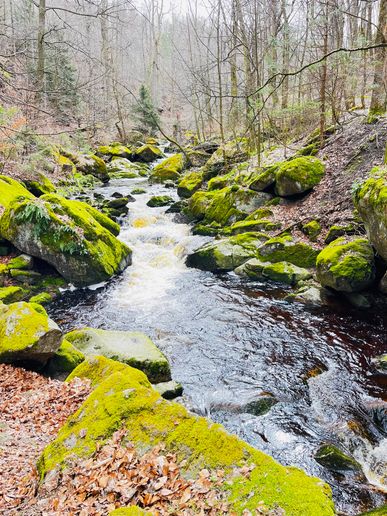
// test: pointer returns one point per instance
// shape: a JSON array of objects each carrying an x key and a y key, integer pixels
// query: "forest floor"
[{"x": 349, "y": 155}]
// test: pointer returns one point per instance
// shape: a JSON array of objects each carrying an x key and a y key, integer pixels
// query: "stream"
[{"x": 229, "y": 340}]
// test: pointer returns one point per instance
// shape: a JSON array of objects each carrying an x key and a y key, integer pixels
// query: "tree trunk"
[
  {"x": 379, "y": 91},
  {"x": 40, "y": 69}
]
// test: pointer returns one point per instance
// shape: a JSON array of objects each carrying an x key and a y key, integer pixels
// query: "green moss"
[
  {"x": 21, "y": 262},
  {"x": 189, "y": 184},
  {"x": 298, "y": 175},
  {"x": 12, "y": 294},
  {"x": 263, "y": 178},
  {"x": 44, "y": 298},
  {"x": 235, "y": 151},
  {"x": 380, "y": 511},
  {"x": 260, "y": 213},
  {"x": 346, "y": 265},
  {"x": 10, "y": 191},
  {"x": 169, "y": 169},
  {"x": 254, "y": 225},
  {"x": 312, "y": 229},
  {"x": 66, "y": 358},
  {"x": 309, "y": 150},
  {"x": 285, "y": 249},
  {"x": 138, "y": 191},
  {"x": 130, "y": 511},
  {"x": 335, "y": 459},
  {"x": 98, "y": 368},
  {"x": 284, "y": 272},
  {"x": 148, "y": 153},
  {"x": 117, "y": 150},
  {"x": 225, "y": 206},
  {"x": 149, "y": 420}
]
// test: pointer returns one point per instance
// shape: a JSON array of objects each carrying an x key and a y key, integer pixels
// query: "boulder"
[
  {"x": 260, "y": 405},
  {"x": 27, "y": 334},
  {"x": 334, "y": 459},
  {"x": 189, "y": 184},
  {"x": 122, "y": 168},
  {"x": 90, "y": 164},
  {"x": 169, "y": 169},
  {"x": 252, "y": 269},
  {"x": 121, "y": 402},
  {"x": 370, "y": 199},
  {"x": 169, "y": 390},
  {"x": 74, "y": 237},
  {"x": 132, "y": 348},
  {"x": 225, "y": 156},
  {"x": 284, "y": 272},
  {"x": 226, "y": 254},
  {"x": 286, "y": 249},
  {"x": 298, "y": 175},
  {"x": 114, "y": 150},
  {"x": 225, "y": 206},
  {"x": 148, "y": 153},
  {"x": 197, "y": 158},
  {"x": 10, "y": 191},
  {"x": 12, "y": 294},
  {"x": 159, "y": 200},
  {"x": 312, "y": 230},
  {"x": 346, "y": 265},
  {"x": 254, "y": 225},
  {"x": 339, "y": 231}
]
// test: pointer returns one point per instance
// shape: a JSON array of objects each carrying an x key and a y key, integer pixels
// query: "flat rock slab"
[{"x": 132, "y": 348}]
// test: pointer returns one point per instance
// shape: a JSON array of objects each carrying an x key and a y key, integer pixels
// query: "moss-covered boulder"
[
  {"x": 337, "y": 231},
  {"x": 74, "y": 237},
  {"x": 147, "y": 153},
  {"x": 226, "y": 254},
  {"x": 335, "y": 459},
  {"x": 298, "y": 175},
  {"x": 197, "y": 158},
  {"x": 114, "y": 150},
  {"x": 27, "y": 334},
  {"x": 252, "y": 269},
  {"x": 91, "y": 164},
  {"x": 225, "y": 206},
  {"x": 167, "y": 170},
  {"x": 286, "y": 249},
  {"x": 132, "y": 348},
  {"x": 169, "y": 390},
  {"x": 40, "y": 186},
  {"x": 44, "y": 298},
  {"x": 225, "y": 157},
  {"x": 346, "y": 265},
  {"x": 189, "y": 184},
  {"x": 311, "y": 229},
  {"x": 121, "y": 402},
  {"x": 122, "y": 168},
  {"x": 66, "y": 359},
  {"x": 371, "y": 201},
  {"x": 263, "y": 179},
  {"x": 284, "y": 272},
  {"x": 158, "y": 201}
]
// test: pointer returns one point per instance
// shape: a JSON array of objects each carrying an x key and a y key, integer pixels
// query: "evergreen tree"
[{"x": 145, "y": 113}]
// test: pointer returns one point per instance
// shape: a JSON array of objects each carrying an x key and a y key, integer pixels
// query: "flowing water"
[{"x": 229, "y": 341}]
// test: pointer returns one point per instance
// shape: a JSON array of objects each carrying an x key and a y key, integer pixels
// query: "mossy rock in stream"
[
  {"x": 120, "y": 401},
  {"x": 334, "y": 459},
  {"x": 27, "y": 334},
  {"x": 280, "y": 272},
  {"x": 254, "y": 225},
  {"x": 148, "y": 153},
  {"x": 158, "y": 201},
  {"x": 167, "y": 170},
  {"x": 189, "y": 184},
  {"x": 226, "y": 254},
  {"x": 90, "y": 164},
  {"x": 225, "y": 206},
  {"x": 78, "y": 240},
  {"x": 346, "y": 265},
  {"x": 114, "y": 150},
  {"x": 132, "y": 348},
  {"x": 298, "y": 175}
]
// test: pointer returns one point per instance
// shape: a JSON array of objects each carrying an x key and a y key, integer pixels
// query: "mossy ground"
[{"x": 120, "y": 401}]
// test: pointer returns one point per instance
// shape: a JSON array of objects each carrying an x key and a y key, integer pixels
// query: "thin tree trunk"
[
  {"x": 379, "y": 92},
  {"x": 40, "y": 70}
]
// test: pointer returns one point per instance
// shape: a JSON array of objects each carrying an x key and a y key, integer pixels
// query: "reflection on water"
[{"x": 228, "y": 341}]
